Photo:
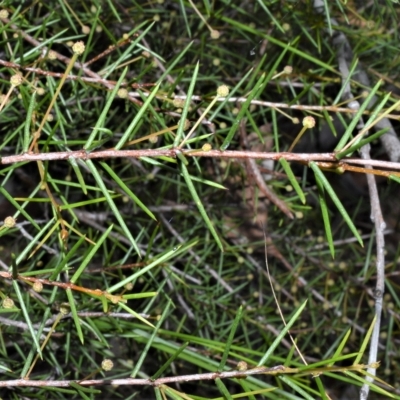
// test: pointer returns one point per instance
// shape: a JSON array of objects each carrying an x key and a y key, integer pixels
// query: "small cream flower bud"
[
  {"x": 9, "y": 222},
  {"x": 309, "y": 122},
  {"x": 78, "y": 47},
  {"x": 107, "y": 365},
  {"x": 8, "y": 303},
  {"x": 16, "y": 79},
  {"x": 223, "y": 91}
]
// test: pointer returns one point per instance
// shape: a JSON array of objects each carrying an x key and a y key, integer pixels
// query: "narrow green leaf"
[
  {"x": 374, "y": 387},
  {"x": 182, "y": 120},
  {"x": 78, "y": 174},
  {"x": 172, "y": 64},
  {"x": 80, "y": 392},
  {"x": 139, "y": 295},
  {"x": 99, "y": 143},
  {"x": 340, "y": 348},
  {"x": 84, "y": 388},
  {"x": 169, "y": 361},
  {"x": 361, "y": 143},
  {"x": 302, "y": 54},
  {"x": 28, "y": 121},
  {"x": 346, "y": 82},
  {"x": 168, "y": 254},
  {"x": 325, "y": 215},
  {"x": 230, "y": 339},
  {"x": 241, "y": 113},
  {"x": 74, "y": 314},
  {"x": 207, "y": 182},
  {"x": 137, "y": 118},
  {"x": 365, "y": 342},
  {"x": 90, "y": 255},
  {"x": 112, "y": 205},
  {"x": 4, "y": 192},
  {"x": 157, "y": 391},
  {"x": 183, "y": 12},
  {"x": 288, "y": 170},
  {"x": 222, "y": 388},
  {"x": 394, "y": 178},
  {"x": 60, "y": 266},
  {"x": 126, "y": 189},
  {"x": 294, "y": 385},
  {"x": 149, "y": 343},
  {"x": 27, "y": 318},
  {"x": 278, "y": 339},
  {"x": 356, "y": 118},
  {"x": 336, "y": 200},
  {"x": 135, "y": 314},
  {"x": 321, "y": 388},
  {"x": 100, "y": 121},
  {"x": 271, "y": 15},
  {"x": 199, "y": 204}
]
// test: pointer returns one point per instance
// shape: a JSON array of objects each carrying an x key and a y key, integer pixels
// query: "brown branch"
[
  {"x": 67, "y": 285},
  {"x": 238, "y": 374},
  {"x": 43, "y": 72},
  {"x": 303, "y": 158},
  {"x": 77, "y": 65},
  {"x": 254, "y": 172}
]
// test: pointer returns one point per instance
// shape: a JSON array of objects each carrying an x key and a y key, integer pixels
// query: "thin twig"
[{"x": 254, "y": 172}]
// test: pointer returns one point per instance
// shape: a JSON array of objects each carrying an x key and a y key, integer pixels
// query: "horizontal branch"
[
  {"x": 235, "y": 154},
  {"x": 238, "y": 374},
  {"x": 156, "y": 382}
]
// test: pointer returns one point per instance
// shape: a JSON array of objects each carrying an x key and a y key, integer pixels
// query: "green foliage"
[{"x": 119, "y": 198}]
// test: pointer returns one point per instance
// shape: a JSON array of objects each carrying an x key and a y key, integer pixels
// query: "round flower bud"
[
  {"x": 107, "y": 365},
  {"x": 153, "y": 139},
  {"x": 78, "y": 47},
  {"x": 16, "y": 79},
  {"x": 178, "y": 103},
  {"x": 129, "y": 286},
  {"x": 38, "y": 286},
  {"x": 8, "y": 303},
  {"x": 214, "y": 34},
  {"x": 122, "y": 93},
  {"x": 85, "y": 30},
  {"x": 309, "y": 122},
  {"x": 206, "y": 147},
  {"x": 223, "y": 91},
  {"x": 9, "y": 222},
  {"x": 4, "y": 14},
  {"x": 52, "y": 55},
  {"x": 40, "y": 91},
  {"x": 65, "y": 309},
  {"x": 241, "y": 366},
  {"x": 288, "y": 69}
]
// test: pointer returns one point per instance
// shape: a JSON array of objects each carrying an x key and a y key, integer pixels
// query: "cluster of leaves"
[{"x": 123, "y": 240}]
